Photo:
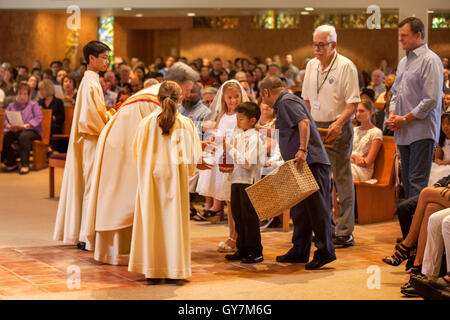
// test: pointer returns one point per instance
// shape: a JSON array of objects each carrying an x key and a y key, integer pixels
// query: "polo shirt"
[{"x": 339, "y": 88}]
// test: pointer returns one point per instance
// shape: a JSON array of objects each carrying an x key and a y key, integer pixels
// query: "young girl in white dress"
[
  {"x": 441, "y": 165},
  {"x": 214, "y": 183},
  {"x": 366, "y": 142}
]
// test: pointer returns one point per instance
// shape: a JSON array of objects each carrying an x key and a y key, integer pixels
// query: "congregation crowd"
[{"x": 255, "y": 115}]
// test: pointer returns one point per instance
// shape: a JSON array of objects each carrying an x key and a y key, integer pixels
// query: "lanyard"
[{"x": 317, "y": 80}]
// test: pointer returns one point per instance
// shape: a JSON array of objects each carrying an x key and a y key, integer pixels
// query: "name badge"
[{"x": 315, "y": 105}]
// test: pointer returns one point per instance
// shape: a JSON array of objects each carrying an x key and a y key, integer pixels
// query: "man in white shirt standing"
[{"x": 331, "y": 92}]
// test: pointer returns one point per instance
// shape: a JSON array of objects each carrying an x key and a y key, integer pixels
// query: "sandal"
[
  {"x": 200, "y": 216},
  {"x": 214, "y": 216},
  {"x": 193, "y": 213},
  {"x": 207, "y": 215},
  {"x": 227, "y": 246},
  {"x": 401, "y": 254}
]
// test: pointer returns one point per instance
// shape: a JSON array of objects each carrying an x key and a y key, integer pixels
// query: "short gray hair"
[
  {"x": 270, "y": 82},
  {"x": 181, "y": 72},
  {"x": 329, "y": 29},
  {"x": 209, "y": 90}
]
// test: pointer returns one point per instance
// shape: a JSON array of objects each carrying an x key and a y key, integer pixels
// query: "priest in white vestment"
[
  {"x": 89, "y": 118},
  {"x": 112, "y": 200}
]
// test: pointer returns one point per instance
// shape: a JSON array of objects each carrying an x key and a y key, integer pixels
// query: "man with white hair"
[
  {"x": 377, "y": 83},
  {"x": 124, "y": 74},
  {"x": 331, "y": 91},
  {"x": 109, "y": 218}
]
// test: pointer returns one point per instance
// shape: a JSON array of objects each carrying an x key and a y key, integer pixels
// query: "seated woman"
[
  {"x": 366, "y": 143},
  {"x": 441, "y": 164},
  {"x": 34, "y": 90},
  {"x": 431, "y": 200},
  {"x": 24, "y": 134},
  {"x": 69, "y": 85},
  {"x": 49, "y": 101}
]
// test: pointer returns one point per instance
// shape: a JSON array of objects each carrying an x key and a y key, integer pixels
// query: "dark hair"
[
  {"x": 415, "y": 24},
  {"x": 47, "y": 72},
  {"x": 72, "y": 78},
  {"x": 442, "y": 137},
  {"x": 169, "y": 93},
  {"x": 94, "y": 48},
  {"x": 59, "y": 63},
  {"x": 249, "y": 109},
  {"x": 369, "y": 92},
  {"x": 23, "y": 85}
]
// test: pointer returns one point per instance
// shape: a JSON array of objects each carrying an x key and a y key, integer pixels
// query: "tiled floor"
[{"x": 37, "y": 270}]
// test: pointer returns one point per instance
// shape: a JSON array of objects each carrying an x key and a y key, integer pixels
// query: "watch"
[{"x": 405, "y": 122}]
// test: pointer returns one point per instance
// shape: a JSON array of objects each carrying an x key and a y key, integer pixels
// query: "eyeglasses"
[{"x": 319, "y": 45}]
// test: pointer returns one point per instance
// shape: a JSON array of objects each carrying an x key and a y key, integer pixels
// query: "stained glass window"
[
  {"x": 106, "y": 34},
  {"x": 216, "y": 22},
  {"x": 440, "y": 21},
  {"x": 272, "y": 20},
  {"x": 356, "y": 20},
  {"x": 331, "y": 19}
]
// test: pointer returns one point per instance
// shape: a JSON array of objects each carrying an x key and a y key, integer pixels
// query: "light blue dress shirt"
[{"x": 418, "y": 89}]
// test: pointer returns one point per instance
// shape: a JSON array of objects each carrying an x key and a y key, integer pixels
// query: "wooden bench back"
[
  {"x": 2, "y": 124},
  {"x": 379, "y": 105},
  {"x": 384, "y": 163},
  {"x": 68, "y": 112},
  {"x": 46, "y": 125}
]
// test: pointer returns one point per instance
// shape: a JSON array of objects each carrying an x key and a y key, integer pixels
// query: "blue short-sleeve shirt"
[{"x": 290, "y": 110}]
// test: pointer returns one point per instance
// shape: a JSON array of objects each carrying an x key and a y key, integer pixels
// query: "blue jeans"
[{"x": 416, "y": 165}]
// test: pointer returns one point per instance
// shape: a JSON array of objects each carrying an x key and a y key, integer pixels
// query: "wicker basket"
[{"x": 281, "y": 190}]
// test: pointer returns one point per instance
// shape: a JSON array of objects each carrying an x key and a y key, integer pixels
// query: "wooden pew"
[
  {"x": 2, "y": 124},
  {"x": 379, "y": 105},
  {"x": 58, "y": 160},
  {"x": 40, "y": 147},
  {"x": 68, "y": 114},
  {"x": 377, "y": 202}
]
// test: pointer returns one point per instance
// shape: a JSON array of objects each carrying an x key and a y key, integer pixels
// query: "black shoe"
[
  {"x": 344, "y": 241},
  {"x": 317, "y": 263},
  {"x": 81, "y": 245},
  {"x": 410, "y": 292},
  {"x": 410, "y": 263},
  {"x": 235, "y": 256},
  {"x": 289, "y": 257},
  {"x": 253, "y": 259}
]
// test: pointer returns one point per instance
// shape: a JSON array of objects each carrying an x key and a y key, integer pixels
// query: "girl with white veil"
[{"x": 214, "y": 183}]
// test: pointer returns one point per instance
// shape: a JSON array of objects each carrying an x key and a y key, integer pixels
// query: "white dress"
[
  {"x": 362, "y": 140},
  {"x": 213, "y": 183},
  {"x": 440, "y": 171}
]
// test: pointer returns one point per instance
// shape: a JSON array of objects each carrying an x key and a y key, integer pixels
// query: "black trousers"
[
  {"x": 405, "y": 212},
  {"x": 246, "y": 221},
  {"x": 313, "y": 214},
  {"x": 25, "y": 139}
]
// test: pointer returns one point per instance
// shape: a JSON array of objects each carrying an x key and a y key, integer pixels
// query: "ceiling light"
[
  {"x": 304, "y": 13},
  {"x": 139, "y": 15},
  {"x": 191, "y": 14},
  {"x": 309, "y": 9},
  {"x": 430, "y": 11},
  {"x": 127, "y": 9}
]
